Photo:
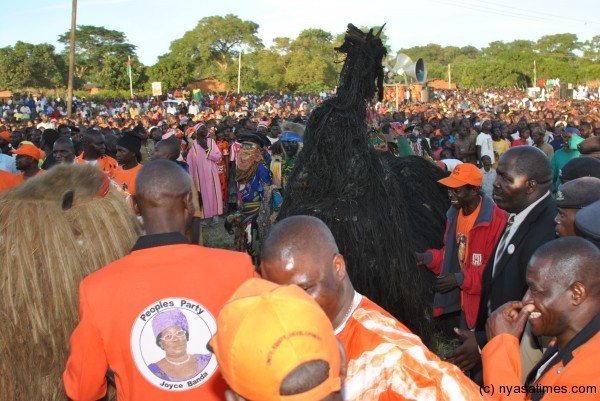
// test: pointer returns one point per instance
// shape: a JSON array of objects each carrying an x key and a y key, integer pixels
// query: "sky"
[{"x": 152, "y": 25}]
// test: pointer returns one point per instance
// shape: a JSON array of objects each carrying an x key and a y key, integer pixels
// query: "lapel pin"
[{"x": 511, "y": 249}]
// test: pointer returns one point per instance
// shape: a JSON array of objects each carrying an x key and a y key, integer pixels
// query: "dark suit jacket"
[{"x": 509, "y": 282}]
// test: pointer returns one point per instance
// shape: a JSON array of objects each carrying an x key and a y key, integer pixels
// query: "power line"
[
  {"x": 487, "y": 10},
  {"x": 542, "y": 12},
  {"x": 528, "y": 15}
]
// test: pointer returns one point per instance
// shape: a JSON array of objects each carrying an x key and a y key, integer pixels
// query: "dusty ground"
[{"x": 216, "y": 236}]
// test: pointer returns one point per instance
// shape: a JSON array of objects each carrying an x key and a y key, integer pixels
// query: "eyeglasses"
[{"x": 171, "y": 337}]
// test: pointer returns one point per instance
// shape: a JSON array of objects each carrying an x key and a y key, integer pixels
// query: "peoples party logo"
[{"x": 168, "y": 342}]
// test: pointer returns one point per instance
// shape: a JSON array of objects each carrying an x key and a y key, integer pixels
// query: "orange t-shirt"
[
  {"x": 9, "y": 180},
  {"x": 126, "y": 178},
  {"x": 105, "y": 163},
  {"x": 463, "y": 226}
]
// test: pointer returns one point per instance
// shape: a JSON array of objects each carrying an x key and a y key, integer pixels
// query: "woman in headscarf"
[{"x": 172, "y": 334}]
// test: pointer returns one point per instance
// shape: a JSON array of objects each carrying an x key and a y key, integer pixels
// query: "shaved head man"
[
  {"x": 150, "y": 314},
  {"x": 63, "y": 150},
  {"x": 164, "y": 197},
  {"x": 563, "y": 301},
  {"x": 301, "y": 250}
]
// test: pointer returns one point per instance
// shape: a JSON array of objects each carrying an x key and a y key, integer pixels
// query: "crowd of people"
[{"x": 517, "y": 273}]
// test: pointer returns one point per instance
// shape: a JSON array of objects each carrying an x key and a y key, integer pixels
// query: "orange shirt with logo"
[
  {"x": 125, "y": 306},
  {"x": 126, "y": 178},
  {"x": 463, "y": 226}
]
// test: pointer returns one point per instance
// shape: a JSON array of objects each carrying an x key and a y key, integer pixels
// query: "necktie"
[{"x": 503, "y": 241}]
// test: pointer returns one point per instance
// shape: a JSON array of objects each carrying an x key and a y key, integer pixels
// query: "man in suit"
[{"x": 522, "y": 189}]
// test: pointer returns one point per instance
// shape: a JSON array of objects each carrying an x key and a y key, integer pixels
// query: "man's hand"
[
  {"x": 420, "y": 257},
  {"x": 510, "y": 318},
  {"x": 467, "y": 354},
  {"x": 445, "y": 283}
]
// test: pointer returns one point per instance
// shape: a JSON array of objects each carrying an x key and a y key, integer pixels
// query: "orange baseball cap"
[
  {"x": 264, "y": 332},
  {"x": 463, "y": 174},
  {"x": 28, "y": 150},
  {"x": 5, "y": 135}
]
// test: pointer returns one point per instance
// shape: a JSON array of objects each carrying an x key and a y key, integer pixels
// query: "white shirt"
[
  {"x": 487, "y": 184},
  {"x": 485, "y": 141},
  {"x": 451, "y": 163},
  {"x": 193, "y": 109}
]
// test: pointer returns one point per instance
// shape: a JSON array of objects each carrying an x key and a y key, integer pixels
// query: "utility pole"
[
  {"x": 129, "y": 73},
  {"x": 239, "y": 69},
  {"x": 71, "y": 59}
]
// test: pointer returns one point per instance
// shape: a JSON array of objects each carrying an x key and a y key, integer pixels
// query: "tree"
[
  {"x": 214, "y": 43},
  {"x": 173, "y": 73},
  {"x": 312, "y": 62},
  {"x": 591, "y": 48},
  {"x": 92, "y": 45},
  {"x": 561, "y": 46},
  {"x": 29, "y": 65},
  {"x": 113, "y": 74}
]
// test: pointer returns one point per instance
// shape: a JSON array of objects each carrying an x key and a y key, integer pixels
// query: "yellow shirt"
[{"x": 500, "y": 147}]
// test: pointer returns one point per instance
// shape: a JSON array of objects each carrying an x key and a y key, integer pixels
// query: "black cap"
[
  {"x": 580, "y": 167},
  {"x": 587, "y": 223},
  {"x": 577, "y": 194},
  {"x": 252, "y": 138},
  {"x": 132, "y": 143}
]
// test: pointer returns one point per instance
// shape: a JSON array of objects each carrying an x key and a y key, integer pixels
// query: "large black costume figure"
[{"x": 380, "y": 211}]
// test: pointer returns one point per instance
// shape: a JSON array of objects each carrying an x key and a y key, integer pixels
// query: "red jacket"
[{"x": 484, "y": 235}]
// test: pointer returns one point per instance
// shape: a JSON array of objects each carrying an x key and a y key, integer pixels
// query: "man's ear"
[
  {"x": 189, "y": 204},
  {"x": 578, "y": 293},
  {"x": 136, "y": 206},
  {"x": 531, "y": 186},
  {"x": 339, "y": 266}
]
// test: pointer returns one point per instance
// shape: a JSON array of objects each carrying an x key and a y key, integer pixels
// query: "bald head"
[
  {"x": 590, "y": 147},
  {"x": 532, "y": 163},
  {"x": 568, "y": 260},
  {"x": 168, "y": 149},
  {"x": 298, "y": 234},
  {"x": 159, "y": 181}
]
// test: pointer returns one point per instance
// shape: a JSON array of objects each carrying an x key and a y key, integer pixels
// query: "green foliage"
[
  {"x": 172, "y": 73},
  {"x": 214, "y": 43},
  {"x": 28, "y": 65},
  {"x": 113, "y": 74},
  {"x": 307, "y": 63},
  {"x": 311, "y": 63},
  {"x": 96, "y": 49}
]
